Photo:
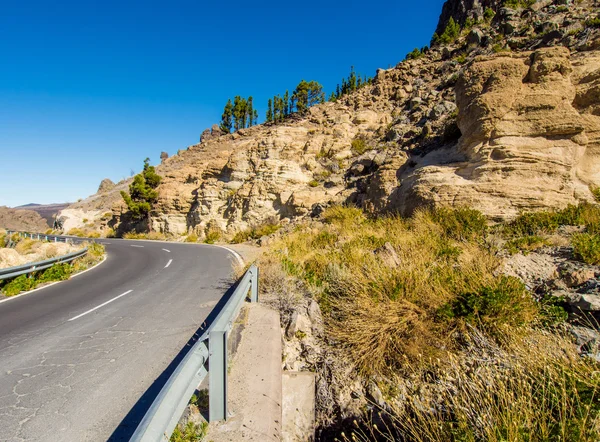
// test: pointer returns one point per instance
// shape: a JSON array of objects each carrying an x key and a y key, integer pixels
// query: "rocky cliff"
[{"x": 504, "y": 118}]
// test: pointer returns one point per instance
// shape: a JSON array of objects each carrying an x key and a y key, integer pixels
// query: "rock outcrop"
[{"x": 106, "y": 185}]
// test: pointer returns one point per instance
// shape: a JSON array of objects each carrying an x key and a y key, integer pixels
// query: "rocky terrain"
[
  {"x": 504, "y": 119},
  {"x": 22, "y": 219},
  {"x": 46, "y": 211}
]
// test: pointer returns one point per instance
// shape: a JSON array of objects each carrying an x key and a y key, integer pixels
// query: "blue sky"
[{"x": 88, "y": 89}]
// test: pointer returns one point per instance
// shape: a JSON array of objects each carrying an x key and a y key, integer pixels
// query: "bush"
[
  {"x": 359, "y": 146},
  {"x": 190, "y": 433},
  {"x": 213, "y": 233},
  {"x": 531, "y": 224},
  {"x": 449, "y": 35},
  {"x": 154, "y": 236},
  {"x": 313, "y": 183},
  {"x": 488, "y": 14},
  {"x": 58, "y": 272},
  {"x": 265, "y": 229},
  {"x": 462, "y": 224},
  {"x": 525, "y": 244},
  {"x": 504, "y": 302},
  {"x": 76, "y": 232},
  {"x": 19, "y": 284},
  {"x": 519, "y": 3},
  {"x": 192, "y": 237},
  {"x": 25, "y": 246},
  {"x": 586, "y": 247},
  {"x": 596, "y": 192}
]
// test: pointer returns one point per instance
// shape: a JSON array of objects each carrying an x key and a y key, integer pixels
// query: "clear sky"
[{"x": 88, "y": 89}]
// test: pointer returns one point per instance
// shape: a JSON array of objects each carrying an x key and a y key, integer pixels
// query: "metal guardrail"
[
  {"x": 166, "y": 410},
  {"x": 40, "y": 236},
  {"x": 12, "y": 272}
]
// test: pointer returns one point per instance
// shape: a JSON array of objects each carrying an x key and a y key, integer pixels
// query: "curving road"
[{"x": 81, "y": 360}]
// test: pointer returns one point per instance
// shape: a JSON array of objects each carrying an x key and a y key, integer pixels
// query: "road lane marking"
[
  {"x": 101, "y": 305},
  {"x": 133, "y": 245},
  {"x": 235, "y": 254},
  {"x": 168, "y": 251},
  {"x": 169, "y": 263}
]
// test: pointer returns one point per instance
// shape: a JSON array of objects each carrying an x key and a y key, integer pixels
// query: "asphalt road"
[{"x": 76, "y": 357}]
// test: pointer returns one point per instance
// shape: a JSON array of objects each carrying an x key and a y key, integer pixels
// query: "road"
[{"x": 76, "y": 357}]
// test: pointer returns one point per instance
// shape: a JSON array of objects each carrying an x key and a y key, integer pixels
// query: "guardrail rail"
[
  {"x": 208, "y": 353},
  {"x": 13, "y": 272}
]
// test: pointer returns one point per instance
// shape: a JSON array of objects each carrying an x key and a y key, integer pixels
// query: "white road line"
[
  {"x": 133, "y": 245},
  {"x": 169, "y": 263},
  {"x": 235, "y": 254},
  {"x": 168, "y": 251},
  {"x": 101, "y": 305}
]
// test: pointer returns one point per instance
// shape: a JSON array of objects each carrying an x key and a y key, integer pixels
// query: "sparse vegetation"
[
  {"x": 466, "y": 351},
  {"x": 255, "y": 232},
  {"x": 57, "y": 272},
  {"x": 154, "y": 236},
  {"x": 192, "y": 237},
  {"x": 514, "y": 4},
  {"x": 359, "y": 145},
  {"x": 190, "y": 433},
  {"x": 586, "y": 247},
  {"x": 450, "y": 34},
  {"x": 213, "y": 233}
]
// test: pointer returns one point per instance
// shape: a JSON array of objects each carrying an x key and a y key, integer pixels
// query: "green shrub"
[
  {"x": 313, "y": 183},
  {"x": 519, "y": 3},
  {"x": 343, "y": 215},
  {"x": 586, "y": 247},
  {"x": 19, "y": 284},
  {"x": 449, "y": 35},
  {"x": 359, "y": 146},
  {"x": 255, "y": 232},
  {"x": 213, "y": 233},
  {"x": 462, "y": 223},
  {"x": 190, "y": 433},
  {"x": 596, "y": 192},
  {"x": 416, "y": 53},
  {"x": 525, "y": 244},
  {"x": 58, "y": 272},
  {"x": 192, "y": 237},
  {"x": 504, "y": 302},
  {"x": 593, "y": 22},
  {"x": 488, "y": 14}
]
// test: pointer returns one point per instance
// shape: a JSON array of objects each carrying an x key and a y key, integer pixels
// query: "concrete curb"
[{"x": 255, "y": 382}]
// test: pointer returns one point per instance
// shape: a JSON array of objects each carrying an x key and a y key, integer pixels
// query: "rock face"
[
  {"x": 106, "y": 185},
  {"x": 469, "y": 123},
  {"x": 461, "y": 10},
  {"x": 528, "y": 140},
  {"x": 23, "y": 220}
]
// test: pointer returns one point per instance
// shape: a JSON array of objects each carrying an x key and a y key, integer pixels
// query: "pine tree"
[
  {"x": 250, "y": 112},
  {"x": 226, "y": 122},
  {"x": 286, "y": 101},
  {"x": 142, "y": 193},
  {"x": 270, "y": 111}
]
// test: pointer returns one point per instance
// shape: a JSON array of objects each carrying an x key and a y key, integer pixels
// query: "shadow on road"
[{"x": 128, "y": 425}]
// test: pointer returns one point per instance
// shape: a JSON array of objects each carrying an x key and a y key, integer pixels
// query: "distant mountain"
[{"x": 46, "y": 211}]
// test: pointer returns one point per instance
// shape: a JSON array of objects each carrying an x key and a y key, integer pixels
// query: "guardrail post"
[
  {"x": 254, "y": 290},
  {"x": 217, "y": 385}
]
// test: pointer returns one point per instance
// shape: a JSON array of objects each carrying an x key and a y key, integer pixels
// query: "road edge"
[{"x": 52, "y": 283}]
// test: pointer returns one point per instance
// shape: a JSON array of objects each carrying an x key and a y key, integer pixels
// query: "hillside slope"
[
  {"x": 503, "y": 118},
  {"x": 21, "y": 219}
]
